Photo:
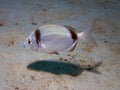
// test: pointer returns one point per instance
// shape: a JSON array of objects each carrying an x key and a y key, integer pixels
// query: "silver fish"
[{"x": 53, "y": 39}]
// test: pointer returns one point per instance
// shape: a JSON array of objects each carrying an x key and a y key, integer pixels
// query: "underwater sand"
[{"x": 86, "y": 68}]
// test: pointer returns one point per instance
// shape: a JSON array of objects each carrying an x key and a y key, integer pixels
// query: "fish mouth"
[{"x": 25, "y": 46}]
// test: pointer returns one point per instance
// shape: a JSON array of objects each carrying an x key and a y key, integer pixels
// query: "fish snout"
[{"x": 24, "y": 45}]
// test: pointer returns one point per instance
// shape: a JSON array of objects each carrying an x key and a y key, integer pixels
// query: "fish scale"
[
  {"x": 56, "y": 42},
  {"x": 52, "y": 29}
]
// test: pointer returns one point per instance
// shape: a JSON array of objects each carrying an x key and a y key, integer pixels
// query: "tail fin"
[{"x": 86, "y": 35}]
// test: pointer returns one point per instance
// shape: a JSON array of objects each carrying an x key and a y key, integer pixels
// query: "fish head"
[{"x": 30, "y": 42}]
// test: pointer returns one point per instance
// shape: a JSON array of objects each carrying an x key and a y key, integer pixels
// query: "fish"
[{"x": 53, "y": 38}]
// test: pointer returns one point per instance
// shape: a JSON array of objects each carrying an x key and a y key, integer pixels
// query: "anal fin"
[{"x": 54, "y": 52}]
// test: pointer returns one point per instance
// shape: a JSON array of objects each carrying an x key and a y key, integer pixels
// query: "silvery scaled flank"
[{"x": 53, "y": 38}]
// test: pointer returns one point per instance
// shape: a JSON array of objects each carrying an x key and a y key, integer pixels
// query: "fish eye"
[{"x": 29, "y": 41}]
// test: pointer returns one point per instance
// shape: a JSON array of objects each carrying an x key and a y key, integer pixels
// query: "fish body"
[{"x": 53, "y": 39}]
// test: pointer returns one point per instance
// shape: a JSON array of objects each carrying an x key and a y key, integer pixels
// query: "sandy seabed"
[{"x": 86, "y": 68}]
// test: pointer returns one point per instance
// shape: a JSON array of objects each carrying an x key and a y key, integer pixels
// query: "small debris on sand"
[
  {"x": 2, "y": 23},
  {"x": 32, "y": 77},
  {"x": 6, "y": 55},
  {"x": 86, "y": 47},
  {"x": 33, "y": 23}
]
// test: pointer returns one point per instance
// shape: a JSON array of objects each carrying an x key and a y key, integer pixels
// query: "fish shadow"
[{"x": 58, "y": 67}]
